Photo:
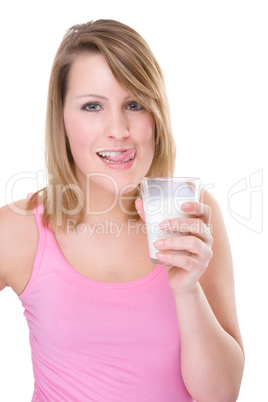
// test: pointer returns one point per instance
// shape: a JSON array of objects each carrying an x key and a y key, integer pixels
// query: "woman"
[{"x": 105, "y": 323}]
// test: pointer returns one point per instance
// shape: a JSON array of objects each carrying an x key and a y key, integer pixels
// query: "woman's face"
[{"x": 111, "y": 135}]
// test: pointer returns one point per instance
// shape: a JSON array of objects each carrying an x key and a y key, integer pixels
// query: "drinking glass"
[{"x": 162, "y": 200}]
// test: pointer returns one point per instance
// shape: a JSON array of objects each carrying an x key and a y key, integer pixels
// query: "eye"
[
  {"x": 134, "y": 106},
  {"x": 91, "y": 107}
]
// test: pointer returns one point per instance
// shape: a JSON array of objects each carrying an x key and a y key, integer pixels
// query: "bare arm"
[
  {"x": 212, "y": 355},
  {"x": 212, "y": 360},
  {"x": 18, "y": 245},
  {"x": 3, "y": 283}
]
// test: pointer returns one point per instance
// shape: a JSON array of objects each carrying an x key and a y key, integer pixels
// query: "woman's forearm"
[{"x": 212, "y": 360}]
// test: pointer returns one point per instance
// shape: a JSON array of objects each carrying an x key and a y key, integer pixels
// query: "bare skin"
[
  {"x": 99, "y": 113},
  {"x": 211, "y": 342}
]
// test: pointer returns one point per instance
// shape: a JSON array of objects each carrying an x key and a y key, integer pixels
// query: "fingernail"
[
  {"x": 160, "y": 256},
  {"x": 187, "y": 206},
  {"x": 164, "y": 225},
  {"x": 158, "y": 243}
]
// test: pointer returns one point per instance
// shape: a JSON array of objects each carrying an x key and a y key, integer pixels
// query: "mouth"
[{"x": 117, "y": 156}]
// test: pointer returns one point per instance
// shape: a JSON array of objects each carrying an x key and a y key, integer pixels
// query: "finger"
[
  {"x": 184, "y": 262},
  {"x": 198, "y": 209},
  {"x": 192, "y": 244},
  {"x": 192, "y": 226},
  {"x": 139, "y": 207},
  {"x": 189, "y": 262}
]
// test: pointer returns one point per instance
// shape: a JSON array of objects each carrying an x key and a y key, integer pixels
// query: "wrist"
[{"x": 182, "y": 293}]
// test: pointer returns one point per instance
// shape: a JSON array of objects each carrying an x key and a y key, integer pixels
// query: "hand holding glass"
[{"x": 162, "y": 200}]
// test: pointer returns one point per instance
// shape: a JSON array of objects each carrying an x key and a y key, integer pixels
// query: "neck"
[{"x": 101, "y": 205}]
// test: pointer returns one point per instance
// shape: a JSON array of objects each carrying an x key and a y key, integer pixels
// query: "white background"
[{"x": 214, "y": 57}]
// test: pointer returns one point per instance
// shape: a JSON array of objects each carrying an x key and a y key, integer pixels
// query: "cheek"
[
  {"x": 76, "y": 132},
  {"x": 146, "y": 127},
  {"x": 149, "y": 134}
]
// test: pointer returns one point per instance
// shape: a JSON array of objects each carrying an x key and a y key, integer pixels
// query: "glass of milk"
[{"x": 162, "y": 199}]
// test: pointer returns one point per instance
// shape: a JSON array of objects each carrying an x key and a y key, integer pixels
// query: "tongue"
[{"x": 123, "y": 157}]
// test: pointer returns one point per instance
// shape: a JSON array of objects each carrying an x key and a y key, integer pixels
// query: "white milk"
[{"x": 156, "y": 211}]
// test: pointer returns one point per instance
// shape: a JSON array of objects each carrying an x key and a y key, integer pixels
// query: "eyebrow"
[
  {"x": 98, "y": 96},
  {"x": 91, "y": 96}
]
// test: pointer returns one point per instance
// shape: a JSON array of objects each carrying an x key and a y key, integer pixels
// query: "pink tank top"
[{"x": 98, "y": 341}]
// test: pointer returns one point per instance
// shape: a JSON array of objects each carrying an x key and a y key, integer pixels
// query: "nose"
[{"x": 117, "y": 126}]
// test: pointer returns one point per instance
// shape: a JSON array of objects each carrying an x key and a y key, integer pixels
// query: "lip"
[
  {"x": 117, "y": 166},
  {"x": 113, "y": 149}
]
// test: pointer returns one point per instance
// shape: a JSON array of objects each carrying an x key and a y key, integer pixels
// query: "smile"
[{"x": 117, "y": 157}]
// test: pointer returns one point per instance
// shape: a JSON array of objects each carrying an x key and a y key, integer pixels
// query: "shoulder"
[
  {"x": 207, "y": 198},
  {"x": 18, "y": 245},
  {"x": 16, "y": 218},
  {"x": 216, "y": 224},
  {"x": 221, "y": 245}
]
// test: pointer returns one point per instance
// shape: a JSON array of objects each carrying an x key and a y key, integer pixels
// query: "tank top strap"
[{"x": 38, "y": 213}]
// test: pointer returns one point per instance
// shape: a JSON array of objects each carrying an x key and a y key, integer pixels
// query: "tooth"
[
  {"x": 114, "y": 153},
  {"x": 110, "y": 153}
]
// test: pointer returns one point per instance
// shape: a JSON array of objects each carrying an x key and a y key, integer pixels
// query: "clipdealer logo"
[
  {"x": 245, "y": 201},
  {"x": 244, "y": 198}
]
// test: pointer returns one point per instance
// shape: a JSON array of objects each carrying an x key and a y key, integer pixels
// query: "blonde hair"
[{"x": 136, "y": 69}]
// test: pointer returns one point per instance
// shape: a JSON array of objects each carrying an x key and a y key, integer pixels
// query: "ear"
[{"x": 139, "y": 207}]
